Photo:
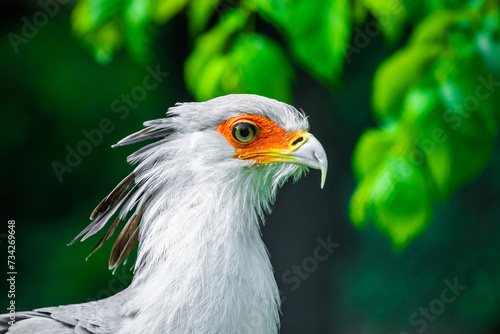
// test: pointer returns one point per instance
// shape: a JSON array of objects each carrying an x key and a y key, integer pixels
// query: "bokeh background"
[{"x": 404, "y": 95}]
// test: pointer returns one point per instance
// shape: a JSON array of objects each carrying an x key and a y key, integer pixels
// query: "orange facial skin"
[{"x": 269, "y": 144}]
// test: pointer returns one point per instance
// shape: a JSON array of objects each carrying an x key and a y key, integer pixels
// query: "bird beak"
[
  {"x": 309, "y": 153},
  {"x": 303, "y": 149}
]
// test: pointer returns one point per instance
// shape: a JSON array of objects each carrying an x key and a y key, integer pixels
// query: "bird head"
[
  {"x": 234, "y": 131},
  {"x": 243, "y": 141}
]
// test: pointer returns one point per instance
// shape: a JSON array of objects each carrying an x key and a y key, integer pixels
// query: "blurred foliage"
[
  {"x": 433, "y": 97},
  {"x": 436, "y": 108},
  {"x": 229, "y": 56}
]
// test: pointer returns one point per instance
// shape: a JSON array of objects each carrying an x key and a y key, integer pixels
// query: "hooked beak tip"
[
  {"x": 312, "y": 154},
  {"x": 323, "y": 166}
]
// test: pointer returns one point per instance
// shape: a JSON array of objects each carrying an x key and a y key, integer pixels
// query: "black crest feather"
[{"x": 124, "y": 195}]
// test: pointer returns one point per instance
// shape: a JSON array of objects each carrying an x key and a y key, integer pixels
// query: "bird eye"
[{"x": 244, "y": 132}]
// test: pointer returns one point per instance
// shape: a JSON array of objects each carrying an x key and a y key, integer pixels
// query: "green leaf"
[
  {"x": 391, "y": 15},
  {"x": 105, "y": 25},
  {"x": 90, "y": 14},
  {"x": 452, "y": 123},
  {"x": 199, "y": 13},
  {"x": 95, "y": 22},
  {"x": 359, "y": 13},
  {"x": 164, "y": 10},
  {"x": 319, "y": 33},
  {"x": 422, "y": 112},
  {"x": 208, "y": 47},
  {"x": 360, "y": 203},
  {"x": 274, "y": 11},
  {"x": 396, "y": 75},
  {"x": 488, "y": 43},
  {"x": 421, "y": 104},
  {"x": 137, "y": 28},
  {"x": 469, "y": 121},
  {"x": 434, "y": 29},
  {"x": 371, "y": 150},
  {"x": 402, "y": 202},
  {"x": 396, "y": 198},
  {"x": 251, "y": 59},
  {"x": 227, "y": 61},
  {"x": 210, "y": 78},
  {"x": 435, "y": 5},
  {"x": 244, "y": 69}
]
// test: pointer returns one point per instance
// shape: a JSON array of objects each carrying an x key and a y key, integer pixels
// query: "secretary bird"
[{"x": 194, "y": 204}]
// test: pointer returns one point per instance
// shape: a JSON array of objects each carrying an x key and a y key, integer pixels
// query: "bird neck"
[{"x": 202, "y": 263}]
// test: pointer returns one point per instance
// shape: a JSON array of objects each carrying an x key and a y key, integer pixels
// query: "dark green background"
[{"x": 52, "y": 90}]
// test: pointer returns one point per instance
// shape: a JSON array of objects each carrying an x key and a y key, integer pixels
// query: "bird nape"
[{"x": 194, "y": 204}]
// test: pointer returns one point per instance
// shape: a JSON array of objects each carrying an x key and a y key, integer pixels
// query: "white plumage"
[{"x": 196, "y": 207}]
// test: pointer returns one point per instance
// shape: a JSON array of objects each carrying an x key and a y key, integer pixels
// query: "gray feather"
[
  {"x": 97, "y": 317},
  {"x": 152, "y": 131}
]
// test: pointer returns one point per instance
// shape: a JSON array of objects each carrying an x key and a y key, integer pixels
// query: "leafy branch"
[
  {"x": 229, "y": 57},
  {"x": 435, "y": 101}
]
